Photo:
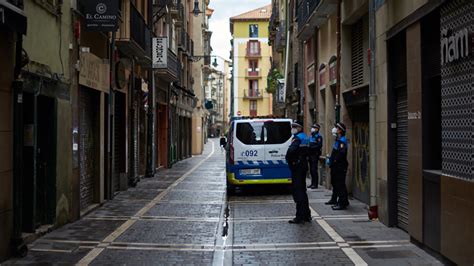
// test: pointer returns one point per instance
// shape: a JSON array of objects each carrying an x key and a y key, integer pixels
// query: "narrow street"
[{"x": 178, "y": 217}]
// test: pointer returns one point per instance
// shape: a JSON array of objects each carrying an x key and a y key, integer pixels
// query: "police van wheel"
[{"x": 230, "y": 189}]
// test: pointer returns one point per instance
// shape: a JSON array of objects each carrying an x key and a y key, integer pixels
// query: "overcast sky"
[{"x": 219, "y": 22}]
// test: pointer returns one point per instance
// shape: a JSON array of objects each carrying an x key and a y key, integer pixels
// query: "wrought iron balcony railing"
[
  {"x": 252, "y": 94},
  {"x": 305, "y": 9},
  {"x": 139, "y": 31},
  {"x": 280, "y": 36}
]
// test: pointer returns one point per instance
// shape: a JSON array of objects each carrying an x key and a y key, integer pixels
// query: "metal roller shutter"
[
  {"x": 402, "y": 158},
  {"x": 88, "y": 146},
  {"x": 119, "y": 139}
]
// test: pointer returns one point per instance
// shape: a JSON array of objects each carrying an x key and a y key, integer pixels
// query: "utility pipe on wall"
[
  {"x": 338, "y": 63},
  {"x": 373, "y": 212}
]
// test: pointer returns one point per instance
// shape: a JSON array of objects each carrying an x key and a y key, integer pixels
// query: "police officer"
[
  {"x": 338, "y": 164},
  {"x": 315, "y": 145},
  {"x": 296, "y": 157}
]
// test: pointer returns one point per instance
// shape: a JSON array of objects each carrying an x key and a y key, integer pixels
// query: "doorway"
[{"x": 39, "y": 180}]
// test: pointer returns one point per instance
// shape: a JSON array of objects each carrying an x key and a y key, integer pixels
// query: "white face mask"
[
  {"x": 334, "y": 131},
  {"x": 313, "y": 130},
  {"x": 294, "y": 131}
]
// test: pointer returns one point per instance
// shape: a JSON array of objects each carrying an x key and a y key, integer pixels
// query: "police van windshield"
[{"x": 260, "y": 133}]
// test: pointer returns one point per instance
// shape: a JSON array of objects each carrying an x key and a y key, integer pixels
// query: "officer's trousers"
[
  {"x": 298, "y": 173},
  {"x": 338, "y": 181},
  {"x": 313, "y": 169}
]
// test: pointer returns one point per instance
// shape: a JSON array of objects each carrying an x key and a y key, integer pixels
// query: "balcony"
[
  {"x": 164, "y": 3},
  {"x": 274, "y": 20},
  {"x": 312, "y": 14},
  {"x": 134, "y": 37},
  {"x": 186, "y": 44},
  {"x": 253, "y": 73},
  {"x": 252, "y": 95},
  {"x": 171, "y": 72},
  {"x": 280, "y": 38},
  {"x": 177, "y": 12}
]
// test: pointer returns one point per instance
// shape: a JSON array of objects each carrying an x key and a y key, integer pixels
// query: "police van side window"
[
  {"x": 251, "y": 133},
  {"x": 260, "y": 133},
  {"x": 278, "y": 132}
]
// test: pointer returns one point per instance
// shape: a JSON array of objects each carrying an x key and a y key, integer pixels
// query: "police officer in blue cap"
[
  {"x": 338, "y": 164},
  {"x": 315, "y": 145},
  {"x": 296, "y": 157}
]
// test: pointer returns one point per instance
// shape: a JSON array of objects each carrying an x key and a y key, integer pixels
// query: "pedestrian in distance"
[
  {"x": 296, "y": 157},
  {"x": 223, "y": 142},
  {"x": 315, "y": 146},
  {"x": 338, "y": 164}
]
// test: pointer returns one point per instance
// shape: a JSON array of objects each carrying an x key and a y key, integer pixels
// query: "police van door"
[
  {"x": 249, "y": 144},
  {"x": 278, "y": 139}
]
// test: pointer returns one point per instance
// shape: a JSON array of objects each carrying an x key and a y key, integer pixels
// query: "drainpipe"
[
  {"x": 111, "y": 125},
  {"x": 287, "y": 58},
  {"x": 338, "y": 63},
  {"x": 373, "y": 212},
  {"x": 150, "y": 166}
]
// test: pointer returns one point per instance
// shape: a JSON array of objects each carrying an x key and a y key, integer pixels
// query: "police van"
[{"x": 256, "y": 151}]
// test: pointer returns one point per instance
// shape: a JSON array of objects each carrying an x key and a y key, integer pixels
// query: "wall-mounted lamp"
[{"x": 196, "y": 10}]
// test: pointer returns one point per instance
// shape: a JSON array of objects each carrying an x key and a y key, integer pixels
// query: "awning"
[
  {"x": 12, "y": 17},
  {"x": 184, "y": 90}
]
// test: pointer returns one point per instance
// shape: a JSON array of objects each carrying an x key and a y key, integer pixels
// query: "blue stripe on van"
[{"x": 275, "y": 162}]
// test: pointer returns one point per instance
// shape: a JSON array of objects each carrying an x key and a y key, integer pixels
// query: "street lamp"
[{"x": 196, "y": 10}]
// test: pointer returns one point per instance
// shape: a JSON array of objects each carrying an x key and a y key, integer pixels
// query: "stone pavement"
[{"x": 179, "y": 217}]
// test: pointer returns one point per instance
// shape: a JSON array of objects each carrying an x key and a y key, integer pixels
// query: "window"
[
  {"x": 253, "y": 108},
  {"x": 51, "y": 5},
  {"x": 253, "y": 31},
  {"x": 259, "y": 133},
  {"x": 253, "y": 65},
  {"x": 253, "y": 88},
  {"x": 253, "y": 48}
]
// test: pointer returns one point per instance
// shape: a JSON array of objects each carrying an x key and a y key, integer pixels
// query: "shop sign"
[
  {"x": 101, "y": 15},
  {"x": 160, "y": 52},
  {"x": 94, "y": 72},
  {"x": 455, "y": 46},
  {"x": 414, "y": 115}
]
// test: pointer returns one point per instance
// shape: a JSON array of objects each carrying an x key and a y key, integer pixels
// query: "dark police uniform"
[
  {"x": 315, "y": 145},
  {"x": 297, "y": 160},
  {"x": 338, "y": 164}
]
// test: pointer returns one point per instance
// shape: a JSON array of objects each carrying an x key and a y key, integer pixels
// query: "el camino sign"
[{"x": 101, "y": 15}]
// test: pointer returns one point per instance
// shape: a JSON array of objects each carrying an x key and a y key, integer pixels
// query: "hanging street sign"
[
  {"x": 160, "y": 52},
  {"x": 281, "y": 90}
]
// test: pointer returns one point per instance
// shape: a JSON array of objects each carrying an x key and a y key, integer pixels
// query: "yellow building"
[{"x": 251, "y": 63}]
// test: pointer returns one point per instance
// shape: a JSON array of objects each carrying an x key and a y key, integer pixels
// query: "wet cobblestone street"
[{"x": 177, "y": 217}]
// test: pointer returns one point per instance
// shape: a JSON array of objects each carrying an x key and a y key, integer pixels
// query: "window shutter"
[{"x": 357, "y": 57}]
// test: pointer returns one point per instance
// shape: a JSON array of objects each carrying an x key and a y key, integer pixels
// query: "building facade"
[
  {"x": 84, "y": 114},
  {"x": 251, "y": 63},
  {"x": 13, "y": 27},
  {"x": 201, "y": 36},
  {"x": 285, "y": 77},
  {"x": 423, "y": 112}
]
